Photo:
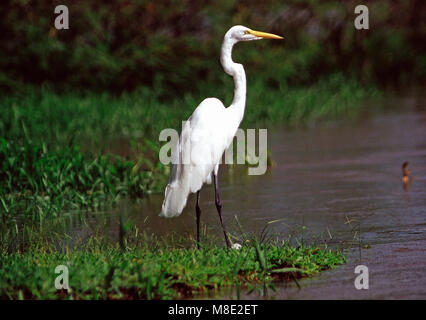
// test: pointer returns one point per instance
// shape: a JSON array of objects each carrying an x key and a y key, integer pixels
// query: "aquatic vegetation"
[
  {"x": 98, "y": 270},
  {"x": 37, "y": 183}
]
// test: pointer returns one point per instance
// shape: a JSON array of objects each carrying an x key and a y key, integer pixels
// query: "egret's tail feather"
[{"x": 174, "y": 201}]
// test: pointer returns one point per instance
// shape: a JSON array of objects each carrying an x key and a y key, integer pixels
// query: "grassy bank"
[{"x": 99, "y": 270}]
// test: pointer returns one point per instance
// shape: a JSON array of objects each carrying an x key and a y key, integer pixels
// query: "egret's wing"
[
  {"x": 197, "y": 153},
  {"x": 209, "y": 126}
]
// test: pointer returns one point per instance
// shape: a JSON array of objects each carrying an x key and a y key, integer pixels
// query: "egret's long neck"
[{"x": 235, "y": 70}]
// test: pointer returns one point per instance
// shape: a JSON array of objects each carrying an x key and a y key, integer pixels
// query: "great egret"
[{"x": 207, "y": 134}]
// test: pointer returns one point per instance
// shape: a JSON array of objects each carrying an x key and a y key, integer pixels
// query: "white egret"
[{"x": 207, "y": 134}]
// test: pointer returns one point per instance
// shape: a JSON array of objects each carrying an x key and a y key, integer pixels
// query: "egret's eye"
[{"x": 247, "y": 32}]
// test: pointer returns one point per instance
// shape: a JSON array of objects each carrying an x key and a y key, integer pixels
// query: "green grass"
[
  {"x": 98, "y": 270},
  {"x": 98, "y": 121},
  {"x": 36, "y": 183}
]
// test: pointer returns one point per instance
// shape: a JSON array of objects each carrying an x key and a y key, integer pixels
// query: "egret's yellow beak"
[{"x": 263, "y": 34}]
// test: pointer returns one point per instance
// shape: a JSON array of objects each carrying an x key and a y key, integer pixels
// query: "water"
[
  {"x": 331, "y": 175},
  {"x": 342, "y": 182}
]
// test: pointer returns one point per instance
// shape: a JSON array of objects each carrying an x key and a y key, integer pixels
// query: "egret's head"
[{"x": 241, "y": 33}]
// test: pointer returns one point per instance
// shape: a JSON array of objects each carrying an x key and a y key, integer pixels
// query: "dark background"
[{"x": 171, "y": 46}]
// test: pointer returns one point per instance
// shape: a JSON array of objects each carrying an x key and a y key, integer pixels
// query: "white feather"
[
  {"x": 209, "y": 131},
  {"x": 205, "y": 137}
]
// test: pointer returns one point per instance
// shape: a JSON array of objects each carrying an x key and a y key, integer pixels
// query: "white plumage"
[
  {"x": 207, "y": 134},
  {"x": 205, "y": 137}
]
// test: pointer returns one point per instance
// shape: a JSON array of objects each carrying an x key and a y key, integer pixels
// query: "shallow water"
[
  {"x": 353, "y": 172},
  {"x": 340, "y": 181}
]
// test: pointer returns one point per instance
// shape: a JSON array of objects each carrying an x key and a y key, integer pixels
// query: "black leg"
[
  {"x": 198, "y": 212},
  {"x": 219, "y": 208}
]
